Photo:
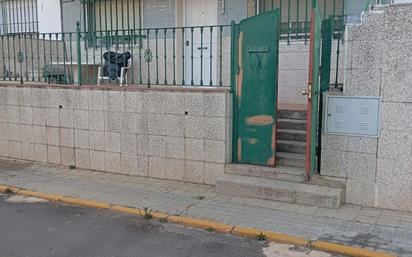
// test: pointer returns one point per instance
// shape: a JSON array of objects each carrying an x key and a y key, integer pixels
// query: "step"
[
  {"x": 290, "y": 159},
  {"x": 291, "y": 114},
  {"x": 291, "y": 124},
  {"x": 280, "y": 172},
  {"x": 279, "y": 190},
  {"x": 291, "y": 135},
  {"x": 291, "y": 146}
]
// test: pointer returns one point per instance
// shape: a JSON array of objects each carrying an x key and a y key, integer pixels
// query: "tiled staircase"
[
  {"x": 286, "y": 182},
  {"x": 291, "y": 137}
]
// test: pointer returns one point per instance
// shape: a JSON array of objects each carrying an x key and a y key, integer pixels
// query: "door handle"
[
  {"x": 202, "y": 48},
  {"x": 308, "y": 91}
]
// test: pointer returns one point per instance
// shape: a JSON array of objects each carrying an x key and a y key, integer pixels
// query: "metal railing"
[
  {"x": 295, "y": 26},
  {"x": 192, "y": 56},
  {"x": 370, "y": 3},
  {"x": 337, "y": 41},
  {"x": 163, "y": 56},
  {"x": 295, "y": 15}
]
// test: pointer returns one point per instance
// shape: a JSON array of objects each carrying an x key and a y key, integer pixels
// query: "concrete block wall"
[
  {"x": 177, "y": 134},
  {"x": 377, "y": 170}
]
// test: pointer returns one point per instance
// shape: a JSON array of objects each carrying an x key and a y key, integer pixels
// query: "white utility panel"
[{"x": 352, "y": 115}]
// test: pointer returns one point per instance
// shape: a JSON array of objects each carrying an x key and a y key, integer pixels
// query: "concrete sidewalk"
[{"x": 374, "y": 229}]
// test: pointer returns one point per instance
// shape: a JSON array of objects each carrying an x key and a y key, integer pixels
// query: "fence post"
[
  {"x": 79, "y": 54},
  {"x": 233, "y": 64}
]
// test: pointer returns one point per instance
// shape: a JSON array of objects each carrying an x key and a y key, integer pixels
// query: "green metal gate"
[{"x": 254, "y": 82}]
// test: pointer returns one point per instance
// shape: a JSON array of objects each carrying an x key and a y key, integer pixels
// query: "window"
[
  {"x": 18, "y": 17},
  {"x": 117, "y": 15},
  {"x": 300, "y": 9},
  {"x": 109, "y": 15},
  {"x": 112, "y": 22}
]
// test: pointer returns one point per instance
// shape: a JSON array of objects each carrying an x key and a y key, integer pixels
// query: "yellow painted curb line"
[
  {"x": 47, "y": 196},
  {"x": 13, "y": 189},
  {"x": 198, "y": 223},
  {"x": 271, "y": 236},
  {"x": 286, "y": 239},
  {"x": 158, "y": 215},
  {"x": 87, "y": 203},
  {"x": 347, "y": 250},
  {"x": 205, "y": 224},
  {"x": 128, "y": 210},
  {"x": 3, "y": 189},
  {"x": 248, "y": 232}
]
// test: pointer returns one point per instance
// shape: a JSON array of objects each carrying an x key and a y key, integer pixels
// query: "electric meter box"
[{"x": 352, "y": 115}]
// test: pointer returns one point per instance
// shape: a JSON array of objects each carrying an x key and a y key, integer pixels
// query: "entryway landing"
[
  {"x": 283, "y": 184},
  {"x": 287, "y": 182}
]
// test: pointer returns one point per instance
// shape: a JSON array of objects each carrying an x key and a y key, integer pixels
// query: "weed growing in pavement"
[
  {"x": 210, "y": 229},
  {"x": 147, "y": 213},
  {"x": 261, "y": 237}
]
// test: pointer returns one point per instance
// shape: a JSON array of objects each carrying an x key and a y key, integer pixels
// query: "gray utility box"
[{"x": 351, "y": 115}]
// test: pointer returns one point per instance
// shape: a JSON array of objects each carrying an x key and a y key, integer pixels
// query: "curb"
[
  {"x": 198, "y": 223},
  {"x": 205, "y": 224},
  {"x": 347, "y": 250},
  {"x": 85, "y": 203}
]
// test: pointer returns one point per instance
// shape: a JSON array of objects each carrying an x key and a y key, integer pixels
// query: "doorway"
[{"x": 200, "y": 42}]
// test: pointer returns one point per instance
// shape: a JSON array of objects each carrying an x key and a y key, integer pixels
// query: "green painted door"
[
  {"x": 313, "y": 89},
  {"x": 255, "y": 48}
]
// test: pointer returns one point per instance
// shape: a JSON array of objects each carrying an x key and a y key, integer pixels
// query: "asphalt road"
[
  {"x": 30, "y": 227},
  {"x": 51, "y": 229}
]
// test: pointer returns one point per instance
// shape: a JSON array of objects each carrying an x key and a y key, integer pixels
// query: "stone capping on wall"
[{"x": 115, "y": 87}]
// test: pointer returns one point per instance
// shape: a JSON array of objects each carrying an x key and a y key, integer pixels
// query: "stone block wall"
[
  {"x": 379, "y": 61},
  {"x": 178, "y": 134}
]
